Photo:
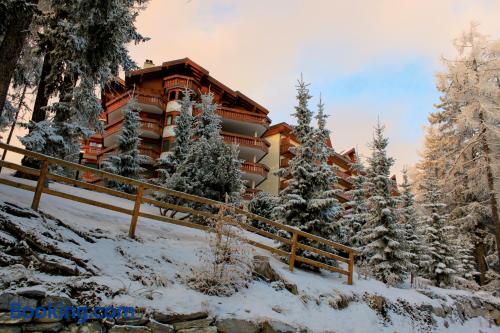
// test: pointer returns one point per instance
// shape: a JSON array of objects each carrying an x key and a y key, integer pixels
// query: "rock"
[
  {"x": 446, "y": 324},
  {"x": 426, "y": 308},
  {"x": 431, "y": 294},
  {"x": 138, "y": 320},
  {"x": 92, "y": 327},
  {"x": 7, "y": 298},
  {"x": 56, "y": 301},
  {"x": 439, "y": 311},
  {"x": 338, "y": 301},
  {"x": 377, "y": 303},
  {"x": 72, "y": 328},
  {"x": 236, "y": 326},
  {"x": 274, "y": 326},
  {"x": 10, "y": 329},
  {"x": 199, "y": 323},
  {"x": 178, "y": 317},
  {"x": 263, "y": 269},
  {"x": 210, "y": 329},
  {"x": 157, "y": 327},
  {"x": 32, "y": 293},
  {"x": 5, "y": 318},
  {"x": 129, "y": 329},
  {"x": 43, "y": 327}
]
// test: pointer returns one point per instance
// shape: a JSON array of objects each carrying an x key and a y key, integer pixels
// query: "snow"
[{"x": 164, "y": 251}]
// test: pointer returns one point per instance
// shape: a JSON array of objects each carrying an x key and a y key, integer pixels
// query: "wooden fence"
[{"x": 345, "y": 254}]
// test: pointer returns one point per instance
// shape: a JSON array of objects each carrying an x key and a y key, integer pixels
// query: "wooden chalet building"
[{"x": 158, "y": 89}]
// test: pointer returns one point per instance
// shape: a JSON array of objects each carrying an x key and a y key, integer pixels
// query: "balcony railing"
[
  {"x": 179, "y": 81},
  {"x": 89, "y": 150},
  {"x": 145, "y": 125},
  {"x": 247, "y": 141},
  {"x": 150, "y": 152},
  {"x": 250, "y": 193},
  {"x": 255, "y": 168},
  {"x": 285, "y": 146},
  {"x": 240, "y": 115},
  {"x": 142, "y": 98}
]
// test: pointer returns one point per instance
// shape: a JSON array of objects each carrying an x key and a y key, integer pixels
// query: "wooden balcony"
[
  {"x": 255, "y": 168},
  {"x": 285, "y": 146},
  {"x": 250, "y": 193},
  {"x": 147, "y": 102},
  {"x": 246, "y": 141},
  {"x": 243, "y": 116},
  {"x": 152, "y": 153},
  {"x": 180, "y": 82},
  {"x": 344, "y": 179},
  {"x": 149, "y": 128}
]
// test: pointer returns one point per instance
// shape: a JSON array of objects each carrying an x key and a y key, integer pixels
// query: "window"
[
  {"x": 171, "y": 96},
  {"x": 169, "y": 120},
  {"x": 166, "y": 146},
  {"x": 181, "y": 95}
]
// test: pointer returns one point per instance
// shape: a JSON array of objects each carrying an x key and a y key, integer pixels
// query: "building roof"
[{"x": 198, "y": 72}]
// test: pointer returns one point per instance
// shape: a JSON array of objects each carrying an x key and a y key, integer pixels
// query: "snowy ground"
[{"x": 163, "y": 251}]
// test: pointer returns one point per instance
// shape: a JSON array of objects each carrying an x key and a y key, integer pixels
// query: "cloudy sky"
[{"x": 368, "y": 58}]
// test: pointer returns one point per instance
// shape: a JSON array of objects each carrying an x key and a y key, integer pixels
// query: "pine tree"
[
  {"x": 263, "y": 204},
  {"x": 357, "y": 214},
  {"x": 211, "y": 168},
  {"x": 437, "y": 231},
  {"x": 309, "y": 201},
  {"x": 468, "y": 118},
  {"x": 127, "y": 162},
  {"x": 384, "y": 249},
  {"x": 183, "y": 139},
  {"x": 413, "y": 239}
]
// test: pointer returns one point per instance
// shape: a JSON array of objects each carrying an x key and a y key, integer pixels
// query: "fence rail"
[{"x": 294, "y": 243}]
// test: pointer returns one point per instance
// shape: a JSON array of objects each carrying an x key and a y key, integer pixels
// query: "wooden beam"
[
  {"x": 135, "y": 211},
  {"x": 293, "y": 251},
  {"x": 40, "y": 184}
]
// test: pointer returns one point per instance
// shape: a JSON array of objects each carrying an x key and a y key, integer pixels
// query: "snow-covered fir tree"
[
  {"x": 309, "y": 202},
  {"x": 384, "y": 236},
  {"x": 211, "y": 168},
  {"x": 127, "y": 162},
  {"x": 356, "y": 212},
  {"x": 183, "y": 139},
  {"x": 413, "y": 238},
  {"x": 467, "y": 119},
  {"x": 86, "y": 44},
  {"x": 437, "y": 231}
]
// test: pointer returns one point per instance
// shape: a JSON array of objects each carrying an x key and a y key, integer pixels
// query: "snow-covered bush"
[
  {"x": 262, "y": 204},
  {"x": 226, "y": 266}
]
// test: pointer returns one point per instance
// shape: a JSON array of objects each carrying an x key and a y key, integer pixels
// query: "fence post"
[
  {"x": 350, "y": 268},
  {"x": 135, "y": 212},
  {"x": 293, "y": 251},
  {"x": 40, "y": 184}
]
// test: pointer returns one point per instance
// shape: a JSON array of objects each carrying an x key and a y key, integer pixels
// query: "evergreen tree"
[
  {"x": 384, "y": 237},
  {"x": 438, "y": 234},
  {"x": 183, "y": 139},
  {"x": 309, "y": 201},
  {"x": 413, "y": 239},
  {"x": 357, "y": 214},
  {"x": 86, "y": 44},
  {"x": 127, "y": 162},
  {"x": 211, "y": 168},
  {"x": 263, "y": 204}
]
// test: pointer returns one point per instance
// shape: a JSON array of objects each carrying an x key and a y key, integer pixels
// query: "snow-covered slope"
[{"x": 145, "y": 273}]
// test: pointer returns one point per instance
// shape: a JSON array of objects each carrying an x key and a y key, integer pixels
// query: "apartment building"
[{"x": 263, "y": 148}]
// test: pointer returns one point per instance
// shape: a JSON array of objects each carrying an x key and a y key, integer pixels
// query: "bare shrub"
[{"x": 226, "y": 265}]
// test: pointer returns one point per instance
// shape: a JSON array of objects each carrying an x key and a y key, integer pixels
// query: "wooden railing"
[
  {"x": 146, "y": 124},
  {"x": 141, "y": 97},
  {"x": 345, "y": 255},
  {"x": 256, "y": 168},
  {"x": 285, "y": 146},
  {"x": 240, "y": 115},
  {"x": 247, "y": 141}
]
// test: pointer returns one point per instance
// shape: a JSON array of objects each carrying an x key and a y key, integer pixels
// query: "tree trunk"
[
  {"x": 42, "y": 95},
  {"x": 11, "y": 132},
  {"x": 12, "y": 45},
  {"x": 480, "y": 256},
  {"x": 491, "y": 184}
]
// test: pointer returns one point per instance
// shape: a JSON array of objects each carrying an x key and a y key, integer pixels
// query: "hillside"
[{"x": 95, "y": 263}]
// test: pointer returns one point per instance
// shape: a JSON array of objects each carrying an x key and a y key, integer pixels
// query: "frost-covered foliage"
[
  {"x": 226, "y": 266},
  {"x": 357, "y": 214},
  {"x": 183, "y": 139},
  {"x": 437, "y": 230},
  {"x": 384, "y": 236},
  {"x": 8, "y": 116},
  {"x": 413, "y": 239},
  {"x": 127, "y": 162},
  {"x": 211, "y": 168},
  {"x": 467, "y": 121},
  {"x": 309, "y": 202},
  {"x": 263, "y": 204},
  {"x": 86, "y": 43}
]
